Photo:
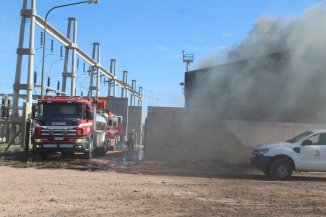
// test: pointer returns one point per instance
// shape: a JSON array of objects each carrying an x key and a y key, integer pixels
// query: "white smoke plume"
[
  {"x": 267, "y": 36},
  {"x": 277, "y": 73}
]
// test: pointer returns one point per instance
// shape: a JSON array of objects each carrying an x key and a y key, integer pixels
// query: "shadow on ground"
[
  {"x": 77, "y": 161},
  {"x": 133, "y": 163}
]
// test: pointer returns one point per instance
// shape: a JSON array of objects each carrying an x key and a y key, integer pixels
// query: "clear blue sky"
[{"x": 145, "y": 36}]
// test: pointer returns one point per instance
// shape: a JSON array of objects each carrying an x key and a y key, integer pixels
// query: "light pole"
[{"x": 44, "y": 38}]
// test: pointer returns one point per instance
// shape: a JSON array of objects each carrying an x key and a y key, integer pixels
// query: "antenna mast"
[{"x": 187, "y": 58}]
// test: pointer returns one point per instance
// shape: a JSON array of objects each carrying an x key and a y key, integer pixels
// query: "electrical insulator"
[
  {"x": 42, "y": 36},
  {"x": 35, "y": 77},
  {"x": 84, "y": 67},
  {"x": 77, "y": 63},
  {"x": 8, "y": 108},
  {"x": 61, "y": 51},
  {"x": 47, "y": 88},
  {"x": 58, "y": 86},
  {"x": 51, "y": 45},
  {"x": 3, "y": 110},
  {"x": 89, "y": 70}
]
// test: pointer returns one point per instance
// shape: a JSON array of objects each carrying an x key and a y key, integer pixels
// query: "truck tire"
[
  {"x": 44, "y": 155},
  {"x": 111, "y": 148},
  {"x": 67, "y": 155},
  {"x": 280, "y": 169},
  {"x": 90, "y": 153},
  {"x": 102, "y": 151}
]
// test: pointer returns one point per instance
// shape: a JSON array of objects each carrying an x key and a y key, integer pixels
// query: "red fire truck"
[
  {"x": 69, "y": 125},
  {"x": 114, "y": 123},
  {"x": 114, "y": 130}
]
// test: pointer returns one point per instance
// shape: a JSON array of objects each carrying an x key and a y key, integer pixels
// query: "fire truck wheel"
[
  {"x": 111, "y": 148},
  {"x": 44, "y": 155},
  {"x": 103, "y": 150},
  {"x": 67, "y": 154},
  {"x": 90, "y": 153}
]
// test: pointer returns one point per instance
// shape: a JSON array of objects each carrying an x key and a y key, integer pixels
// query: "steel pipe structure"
[
  {"x": 30, "y": 51},
  {"x": 66, "y": 42},
  {"x": 45, "y": 25}
]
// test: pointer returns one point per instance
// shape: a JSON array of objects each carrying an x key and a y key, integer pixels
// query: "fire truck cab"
[{"x": 68, "y": 125}]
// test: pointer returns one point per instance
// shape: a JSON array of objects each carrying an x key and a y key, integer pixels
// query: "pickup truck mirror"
[{"x": 306, "y": 142}]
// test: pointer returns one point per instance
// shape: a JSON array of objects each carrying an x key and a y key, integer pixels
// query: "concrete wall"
[
  {"x": 175, "y": 134},
  {"x": 135, "y": 121},
  {"x": 132, "y": 115},
  {"x": 119, "y": 106},
  {"x": 252, "y": 133}
]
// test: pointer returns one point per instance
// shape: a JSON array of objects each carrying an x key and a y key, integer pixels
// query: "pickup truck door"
[{"x": 313, "y": 156}]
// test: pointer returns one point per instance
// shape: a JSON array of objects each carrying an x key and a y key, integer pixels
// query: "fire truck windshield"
[{"x": 61, "y": 111}]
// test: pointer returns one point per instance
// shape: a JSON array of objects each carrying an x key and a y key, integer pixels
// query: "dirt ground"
[{"x": 119, "y": 185}]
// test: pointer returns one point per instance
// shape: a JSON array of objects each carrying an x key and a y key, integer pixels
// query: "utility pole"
[
  {"x": 140, "y": 91},
  {"x": 72, "y": 46},
  {"x": 125, "y": 84},
  {"x": 25, "y": 13},
  {"x": 132, "y": 98},
  {"x": 112, "y": 82},
  {"x": 97, "y": 66}
]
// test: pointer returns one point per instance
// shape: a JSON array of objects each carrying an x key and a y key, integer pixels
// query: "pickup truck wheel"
[{"x": 280, "y": 169}]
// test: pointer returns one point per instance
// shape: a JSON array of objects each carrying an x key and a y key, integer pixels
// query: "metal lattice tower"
[{"x": 70, "y": 43}]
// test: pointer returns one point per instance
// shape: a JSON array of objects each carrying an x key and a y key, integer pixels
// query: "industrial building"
[
  {"x": 234, "y": 106},
  {"x": 265, "y": 88}
]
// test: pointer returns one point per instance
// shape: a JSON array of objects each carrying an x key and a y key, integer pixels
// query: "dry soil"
[{"x": 114, "y": 185}]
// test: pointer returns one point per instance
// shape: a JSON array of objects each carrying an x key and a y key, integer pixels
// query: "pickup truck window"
[
  {"x": 299, "y": 137},
  {"x": 318, "y": 139}
]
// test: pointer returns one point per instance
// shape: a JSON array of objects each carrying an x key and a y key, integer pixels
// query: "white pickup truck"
[{"x": 304, "y": 152}]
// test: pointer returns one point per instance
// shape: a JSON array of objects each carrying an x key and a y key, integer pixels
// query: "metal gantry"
[
  {"x": 70, "y": 44},
  {"x": 66, "y": 42}
]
